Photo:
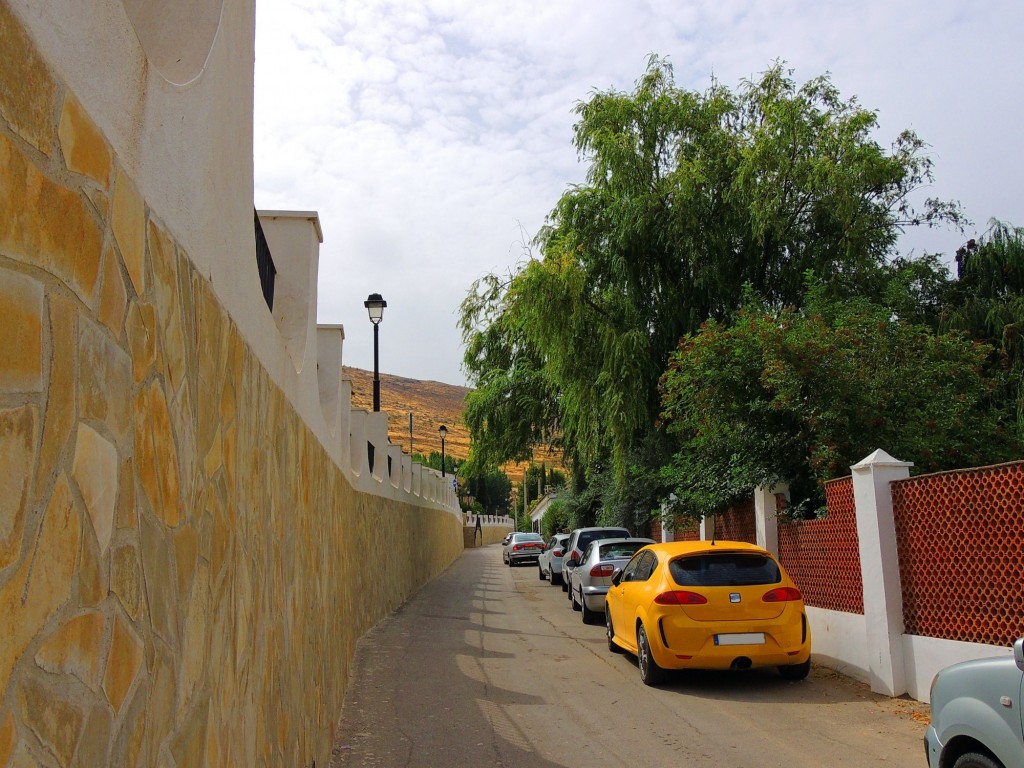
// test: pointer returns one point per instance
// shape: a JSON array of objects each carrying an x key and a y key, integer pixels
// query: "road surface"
[{"x": 488, "y": 666}]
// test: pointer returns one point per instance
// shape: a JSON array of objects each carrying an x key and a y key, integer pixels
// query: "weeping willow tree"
[
  {"x": 689, "y": 197},
  {"x": 988, "y": 302}
]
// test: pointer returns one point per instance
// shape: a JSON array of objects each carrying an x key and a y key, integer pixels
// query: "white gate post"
[
  {"x": 707, "y": 528},
  {"x": 766, "y": 516},
  {"x": 880, "y": 569}
]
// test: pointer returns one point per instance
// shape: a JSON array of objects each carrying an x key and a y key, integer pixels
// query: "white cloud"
[{"x": 426, "y": 132}]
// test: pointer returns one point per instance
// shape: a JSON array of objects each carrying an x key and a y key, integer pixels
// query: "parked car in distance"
[
  {"x": 522, "y": 548},
  {"x": 593, "y": 576},
  {"x": 707, "y": 605},
  {"x": 976, "y": 714},
  {"x": 579, "y": 539},
  {"x": 549, "y": 564}
]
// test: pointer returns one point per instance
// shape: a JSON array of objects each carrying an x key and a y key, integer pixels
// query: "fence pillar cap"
[{"x": 880, "y": 459}]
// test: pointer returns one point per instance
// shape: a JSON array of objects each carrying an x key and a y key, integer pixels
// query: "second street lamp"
[
  {"x": 375, "y": 306},
  {"x": 444, "y": 433}
]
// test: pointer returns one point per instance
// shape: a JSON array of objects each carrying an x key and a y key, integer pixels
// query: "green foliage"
[
  {"x": 523, "y": 521},
  {"x": 556, "y": 519},
  {"x": 635, "y": 499},
  {"x": 988, "y": 303},
  {"x": 800, "y": 396},
  {"x": 689, "y": 196},
  {"x": 451, "y": 466},
  {"x": 694, "y": 204},
  {"x": 491, "y": 490},
  {"x": 474, "y": 506},
  {"x": 512, "y": 404}
]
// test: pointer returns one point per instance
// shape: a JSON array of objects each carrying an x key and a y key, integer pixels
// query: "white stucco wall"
[
  {"x": 839, "y": 641},
  {"x": 153, "y": 125},
  {"x": 188, "y": 148},
  {"x": 925, "y": 656}
]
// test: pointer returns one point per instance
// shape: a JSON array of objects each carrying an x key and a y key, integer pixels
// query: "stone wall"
[
  {"x": 184, "y": 570},
  {"x": 493, "y": 530}
]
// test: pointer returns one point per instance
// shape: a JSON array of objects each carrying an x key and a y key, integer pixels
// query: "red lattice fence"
[
  {"x": 687, "y": 531},
  {"x": 737, "y": 524},
  {"x": 684, "y": 530},
  {"x": 823, "y": 556},
  {"x": 960, "y": 538},
  {"x": 653, "y": 530}
]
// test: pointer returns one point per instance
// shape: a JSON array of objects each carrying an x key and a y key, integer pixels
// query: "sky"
[{"x": 433, "y": 137}]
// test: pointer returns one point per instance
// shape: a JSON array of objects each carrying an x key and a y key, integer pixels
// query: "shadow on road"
[{"x": 420, "y": 694}]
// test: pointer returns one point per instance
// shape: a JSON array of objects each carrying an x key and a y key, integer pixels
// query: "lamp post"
[
  {"x": 375, "y": 306},
  {"x": 444, "y": 433}
]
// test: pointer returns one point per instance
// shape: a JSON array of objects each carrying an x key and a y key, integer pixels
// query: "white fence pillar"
[
  {"x": 879, "y": 563},
  {"x": 766, "y": 517},
  {"x": 707, "y": 528}
]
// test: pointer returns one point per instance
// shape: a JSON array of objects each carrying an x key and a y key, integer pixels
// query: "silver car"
[
  {"x": 976, "y": 714},
  {"x": 591, "y": 579},
  {"x": 549, "y": 564},
  {"x": 579, "y": 540},
  {"x": 522, "y": 547}
]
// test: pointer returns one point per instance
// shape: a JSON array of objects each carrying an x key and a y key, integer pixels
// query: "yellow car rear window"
[{"x": 724, "y": 570}]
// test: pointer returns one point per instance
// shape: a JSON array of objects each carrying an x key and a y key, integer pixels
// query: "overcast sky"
[{"x": 434, "y": 136}]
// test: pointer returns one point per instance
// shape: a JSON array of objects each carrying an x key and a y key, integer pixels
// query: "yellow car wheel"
[
  {"x": 610, "y": 632},
  {"x": 796, "y": 671},
  {"x": 650, "y": 672}
]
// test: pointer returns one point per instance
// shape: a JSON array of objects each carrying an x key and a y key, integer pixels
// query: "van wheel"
[{"x": 976, "y": 760}]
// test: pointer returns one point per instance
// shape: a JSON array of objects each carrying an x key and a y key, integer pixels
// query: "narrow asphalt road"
[{"x": 488, "y": 666}]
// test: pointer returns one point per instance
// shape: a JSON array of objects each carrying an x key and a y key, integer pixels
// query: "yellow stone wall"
[
  {"x": 491, "y": 534},
  {"x": 184, "y": 572}
]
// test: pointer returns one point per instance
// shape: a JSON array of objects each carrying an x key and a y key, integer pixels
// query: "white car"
[{"x": 549, "y": 564}]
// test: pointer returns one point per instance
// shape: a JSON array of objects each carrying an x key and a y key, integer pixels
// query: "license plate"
[{"x": 740, "y": 638}]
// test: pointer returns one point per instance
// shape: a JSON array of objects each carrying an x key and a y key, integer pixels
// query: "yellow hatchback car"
[{"x": 707, "y": 605}]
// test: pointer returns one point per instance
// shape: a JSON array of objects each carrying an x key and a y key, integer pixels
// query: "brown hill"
[{"x": 431, "y": 404}]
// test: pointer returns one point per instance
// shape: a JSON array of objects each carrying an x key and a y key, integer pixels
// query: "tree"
[
  {"x": 491, "y": 490},
  {"x": 987, "y": 302},
  {"x": 556, "y": 519},
  {"x": 451, "y": 465},
  {"x": 689, "y": 197},
  {"x": 512, "y": 404},
  {"x": 800, "y": 396}
]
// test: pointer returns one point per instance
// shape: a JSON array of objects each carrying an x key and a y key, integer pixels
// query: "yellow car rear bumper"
[{"x": 679, "y": 643}]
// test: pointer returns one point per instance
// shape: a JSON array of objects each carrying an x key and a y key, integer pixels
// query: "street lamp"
[
  {"x": 375, "y": 306},
  {"x": 444, "y": 433}
]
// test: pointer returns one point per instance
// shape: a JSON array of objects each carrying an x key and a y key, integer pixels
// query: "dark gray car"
[{"x": 522, "y": 548}]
